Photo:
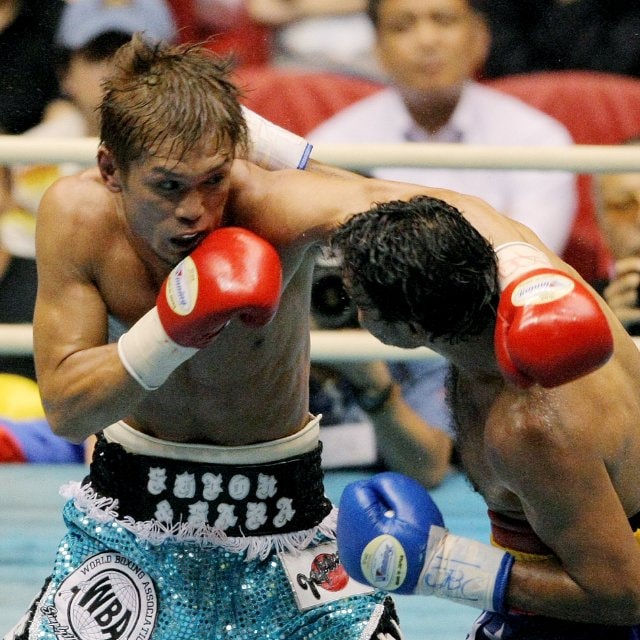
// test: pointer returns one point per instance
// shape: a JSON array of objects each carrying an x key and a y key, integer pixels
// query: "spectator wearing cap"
[
  {"x": 84, "y": 20},
  {"x": 89, "y": 34}
]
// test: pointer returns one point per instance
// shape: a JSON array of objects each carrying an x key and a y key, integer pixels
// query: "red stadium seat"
[
  {"x": 597, "y": 108},
  {"x": 299, "y": 101}
]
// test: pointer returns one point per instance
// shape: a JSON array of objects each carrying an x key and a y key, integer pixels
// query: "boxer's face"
[
  {"x": 430, "y": 45},
  {"x": 172, "y": 200},
  {"x": 398, "y": 333},
  {"x": 619, "y": 212}
]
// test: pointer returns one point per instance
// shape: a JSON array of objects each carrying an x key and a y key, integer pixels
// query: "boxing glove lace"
[
  {"x": 550, "y": 329},
  {"x": 391, "y": 535},
  {"x": 232, "y": 273}
]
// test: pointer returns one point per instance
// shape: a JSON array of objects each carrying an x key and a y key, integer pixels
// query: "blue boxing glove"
[{"x": 391, "y": 535}]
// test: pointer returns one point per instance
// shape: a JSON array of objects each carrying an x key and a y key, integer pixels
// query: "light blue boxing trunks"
[{"x": 182, "y": 542}]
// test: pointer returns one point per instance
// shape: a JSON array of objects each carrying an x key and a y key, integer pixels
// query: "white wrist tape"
[
  {"x": 149, "y": 354},
  {"x": 464, "y": 570},
  {"x": 272, "y": 147},
  {"x": 517, "y": 258}
]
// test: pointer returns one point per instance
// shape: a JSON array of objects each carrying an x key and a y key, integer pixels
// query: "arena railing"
[{"x": 347, "y": 344}]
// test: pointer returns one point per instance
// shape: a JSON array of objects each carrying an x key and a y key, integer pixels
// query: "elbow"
[
  {"x": 619, "y": 604},
  {"x": 430, "y": 474},
  {"x": 63, "y": 429},
  {"x": 434, "y": 473},
  {"x": 428, "y": 467},
  {"x": 434, "y": 476},
  {"x": 60, "y": 424},
  {"x": 624, "y": 607}
]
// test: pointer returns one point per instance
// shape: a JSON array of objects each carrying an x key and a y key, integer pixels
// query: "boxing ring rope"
[
  {"x": 326, "y": 346},
  {"x": 332, "y": 345},
  {"x": 346, "y": 344},
  {"x": 576, "y": 158}
]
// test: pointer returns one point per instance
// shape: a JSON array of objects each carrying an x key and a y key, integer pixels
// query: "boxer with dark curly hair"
[{"x": 543, "y": 390}]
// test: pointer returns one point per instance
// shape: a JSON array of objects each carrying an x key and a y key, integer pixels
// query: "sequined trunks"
[{"x": 129, "y": 568}]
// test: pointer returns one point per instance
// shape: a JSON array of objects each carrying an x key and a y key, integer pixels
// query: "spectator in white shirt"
[{"x": 431, "y": 51}]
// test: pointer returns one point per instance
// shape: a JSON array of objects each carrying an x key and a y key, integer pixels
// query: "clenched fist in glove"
[
  {"x": 550, "y": 329},
  {"x": 391, "y": 535},
  {"x": 233, "y": 273}
]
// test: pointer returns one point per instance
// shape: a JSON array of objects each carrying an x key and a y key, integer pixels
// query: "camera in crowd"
[{"x": 331, "y": 305}]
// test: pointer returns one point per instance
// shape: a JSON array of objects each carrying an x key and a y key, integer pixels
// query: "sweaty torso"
[
  {"x": 249, "y": 385},
  {"x": 489, "y": 418}
]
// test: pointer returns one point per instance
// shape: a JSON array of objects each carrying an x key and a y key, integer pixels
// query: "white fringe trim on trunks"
[{"x": 104, "y": 509}]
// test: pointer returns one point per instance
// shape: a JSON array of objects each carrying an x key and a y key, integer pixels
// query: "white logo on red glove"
[
  {"x": 541, "y": 288},
  {"x": 182, "y": 287}
]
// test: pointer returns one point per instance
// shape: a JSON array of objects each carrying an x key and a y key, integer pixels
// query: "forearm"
[
  {"x": 409, "y": 444},
  {"x": 544, "y": 588},
  {"x": 88, "y": 391}
]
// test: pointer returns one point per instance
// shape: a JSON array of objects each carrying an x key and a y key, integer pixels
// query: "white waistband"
[{"x": 263, "y": 452}]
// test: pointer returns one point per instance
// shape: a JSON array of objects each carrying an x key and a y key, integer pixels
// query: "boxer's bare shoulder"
[
  {"x": 79, "y": 211},
  {"x": 77, "y": 204}
]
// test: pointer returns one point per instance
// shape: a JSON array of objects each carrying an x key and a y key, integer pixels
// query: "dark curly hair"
[
  {"x": 421, "y": 261},
  {"x": 162, "y": 93}
]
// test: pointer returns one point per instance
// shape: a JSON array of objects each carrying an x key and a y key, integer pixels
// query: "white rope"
[
  {"x": 16, "y": 339},
  {"x": 337, "y": 345},
  {"x": 355, "y": 344},
  {"x": 26, "y": 149},
  {"x": 346, "y": 344},
  {"x": 578, "y": 158}
]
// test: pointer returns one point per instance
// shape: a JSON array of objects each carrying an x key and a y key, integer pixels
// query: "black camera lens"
[{"x": 331, "y": 305}]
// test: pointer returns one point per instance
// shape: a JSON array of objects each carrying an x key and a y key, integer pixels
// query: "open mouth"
[{"x": 187, "y": 241}]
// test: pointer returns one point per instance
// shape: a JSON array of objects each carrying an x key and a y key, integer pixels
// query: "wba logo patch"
[{"x": 106, "y": 598}]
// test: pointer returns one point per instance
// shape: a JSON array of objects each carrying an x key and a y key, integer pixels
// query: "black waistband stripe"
[{"x": 240, "y": 500}]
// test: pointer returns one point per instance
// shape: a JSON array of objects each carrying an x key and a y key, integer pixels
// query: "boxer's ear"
[{"x": 109, "y": 170}]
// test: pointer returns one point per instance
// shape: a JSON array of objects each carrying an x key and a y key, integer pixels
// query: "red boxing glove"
[
  {"x": 550, "y": 329},
  {"x": 232, "y": 273}
]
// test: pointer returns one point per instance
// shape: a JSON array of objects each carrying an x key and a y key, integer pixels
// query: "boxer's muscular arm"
[
  {"x": 81, "y": 379},
  {"x": 391, "y": 534},
  {"x": 557, "y": 469},
  {"x": 290, "y": 205}
]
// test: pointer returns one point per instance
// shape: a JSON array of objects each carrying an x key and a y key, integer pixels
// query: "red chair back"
[{"x": 596, "y": 108}]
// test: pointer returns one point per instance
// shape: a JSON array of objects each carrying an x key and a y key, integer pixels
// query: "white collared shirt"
[{"x": 545, "y": 201}]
